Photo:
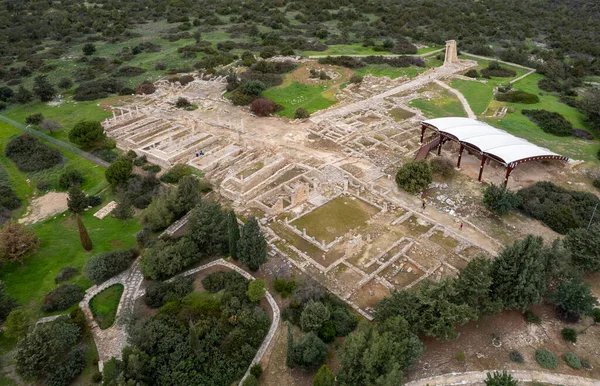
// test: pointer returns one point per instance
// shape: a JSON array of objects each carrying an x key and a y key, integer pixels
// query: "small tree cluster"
[
  {"x": 414, "y": 176},
  {"x": 87, "y": 133},
  {"x": 499, "y": 199}
]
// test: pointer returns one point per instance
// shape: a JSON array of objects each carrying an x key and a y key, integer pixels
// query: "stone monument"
[{"x": 451, "y": 52}]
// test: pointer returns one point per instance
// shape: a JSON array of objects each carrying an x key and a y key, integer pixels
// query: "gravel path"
[
  {"x": 460, "y": 97},
  {"x": 477, "y": 378}
]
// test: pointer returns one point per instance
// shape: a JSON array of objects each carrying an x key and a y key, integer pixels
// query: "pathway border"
[
  {"x": 476, "y": 377},
  {"x": 461, "y": 98}
]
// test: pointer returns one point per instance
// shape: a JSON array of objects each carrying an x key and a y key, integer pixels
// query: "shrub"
[
  {"x": 87, "y": 133},
  {"x": 499, "y": 199},
  {"x": 250, "y": 381},
  {"x": 129, "y": 71},
  {"x": 103, "y": 266},
  {"x": 151, "y": 168},
  {"x": 309, "y": 352},
  {"x": 256, "y": 290},
  {"x": 580, "y": 133},
  {"x": 63, "y": 297},
  {"x": 586, "y": 364},
  {"x": 442, "y": 167},
  {"x": 314, "y": 315},
  {"x": 139, "y": 161},
  {"x": 160, "y": 293},
  {"x": 414, "y": 176},
  {"x": 177, "y": 172},
  {"x": 518, "y": 96},
  {"x": 572, "y": 360},
  {"x": 93, "y": 201},
  {"x": 472, "y": 73},
  {"x": 70, "y": 177},
  {"x": 530, "y": 317},
  {"x": 301, "y": 113},
  {"x": 67, "y": 370},
  {"x": 66, "y": 273},
  {"x": 500, "y": 379},
  {"x": 50, "y": 125},
  {"x": 118, "y": 172},
  {"x": 569, "y": 335},
  {"x": 182, "y": 103},
  {"x": 262, "y": 107},
  {"x": 494, "y": 69},
  {"x": 97, "y": 89},
  {"x": 284, "y": 287},
  {"x": 165, "y": 260},
  {"x": 546, "y": 359},
  {"x": 229, "y": 280},
  {"x": 550, "y": 122},
  {"x": 343, "y": 321},
  {"x": 516, "y": 356},
  {"x": 597, "y": 315},
  {"x": 356, "y": 79},
  {"x": 460, "y": 356},
  {"x": 18, "y": 322},
  {"x": 343, "y": 61},
  {"x": 573, "y": 297},
  {"x": 145, "y": 88},
  {"x": 256, "y": 370},
  {"x": 30, "y": 155},
  {"x": 34, "y": 119}
]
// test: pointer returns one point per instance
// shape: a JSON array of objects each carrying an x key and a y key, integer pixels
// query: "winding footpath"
[
  {"x": 478, "y": 377},
  {"x": 461, "y": 98}
]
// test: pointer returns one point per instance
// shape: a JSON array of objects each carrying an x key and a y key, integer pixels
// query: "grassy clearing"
[
  {"x": 299, "y": 95},
  {"x": 479, "y": 95},
  {"x": 336, "y": 218},
  {"x": 60, "y": 247},
  {"x": 380, "y": 70},
  {"x": 346, "y": 49},
  {"x": 400, "y": 114},
  {"x": 104, "y": 305},
  {"x": 18, "y": 181},
  {"x": 444, "y": 104}
]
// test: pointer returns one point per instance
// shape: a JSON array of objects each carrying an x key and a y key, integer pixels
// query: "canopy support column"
[
  {"x": 439, "y": 152},
  {"x": 483, "y": 159},
  {"x": 509, "y": 169},
  {"x": 460, "y": 152},
  {"x": 422, "y": 133}
]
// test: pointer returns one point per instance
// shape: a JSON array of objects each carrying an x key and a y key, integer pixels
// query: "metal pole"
[{"x": 591, "y": 218}]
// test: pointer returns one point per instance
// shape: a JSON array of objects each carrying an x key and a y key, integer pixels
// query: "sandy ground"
[{"x": 42, "y": 207}]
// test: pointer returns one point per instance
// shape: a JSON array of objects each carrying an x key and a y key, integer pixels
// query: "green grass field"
[
  {"x": 299, "y": 95},
  {"x": 358, "y": 49},
  {"x": 104, "y": 305},
  {"x": 444, "y": 104},
  {"x": 479, "y": 95}
]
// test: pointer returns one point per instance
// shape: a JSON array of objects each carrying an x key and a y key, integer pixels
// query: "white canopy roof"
[{"x": 492, "y": 142}]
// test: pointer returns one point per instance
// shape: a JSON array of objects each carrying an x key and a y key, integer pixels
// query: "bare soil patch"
[{"x": 50, "y": 204}]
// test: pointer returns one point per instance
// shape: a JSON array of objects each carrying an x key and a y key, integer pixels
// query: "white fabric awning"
[{"x": 490, "y": 141}]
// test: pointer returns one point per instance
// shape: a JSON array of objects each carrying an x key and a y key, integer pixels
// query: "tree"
[
  {"x": 159, "y": 214},
  {"x": 145, "y": 88},
  {"x": 356, "y": 79},
  {"x": 474, "y": 286},
  {"x": 208, "y": 228},
  {"x": 23, "y": 95},
  {"x": 50, "y": 125},
  {"x": 499, "y": 199},
  {"x": 43, "y": 88},
  {"x": 310, "y": 351},
  {"x": 76, "y": 202},
  {"x": 252, "y": 246},
  {"x": 88, "y": 49},
  {"x": 86, "y": 133},
  {"x": 234, "y": 235},
  {"x": 124, "y": 209},
  {"x": 324, "y": 377},
  {"x": 16, "y": 241},
  {"x": 256, "y": 290},
  {"x": 590, "y": 107},
  {"x": 18, "y": 322},
  {"x": 263, "y": 107},
  {"x": 414, "y": 176},
  {"x": 34, "y": 119},
  {"x": 584, "y": 246},
  {"x": 519, "y": 273},
  {"x": 118, "y": 171},
  {"x": 574, "y": 298},
  {"x": 188, "y": 194},
  {"x": 500, "y": 379},
  {"x": 314, "y": 315},
  {"x": 301, "y": 113},
  {"x": 84, "y": 237},
  {"x": 377, "y": 354},
  {"x": 7, "y": 302},
  {"x": 65, "y": 83},
  {"x": 6, "y": 94}
]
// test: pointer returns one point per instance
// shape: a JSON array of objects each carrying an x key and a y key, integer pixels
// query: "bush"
[
  {"x": 256, "y": 370},
  {"x": 70, "y": 368},
  {"x": 516, "y": 356},
  {"x": 499, "y": 199},
  {"x": 518, "y": 96},
  {"x": 472, "y": 74},
  {"x": 460, "y": 356},
  {"x": 309, "y": 352},
  {"x": 494, "y": 69},
  {"x": 129, "y": 71},
  {"x": 151, "y": 168},
  {"x": 343, "y": 61},
  {"x": 160, "y": 293},
  {"x": 139, "y": 161},
  {"x": 93, "y": 201},
  {"x": 256, "y": 290},
  {"x": 30, "y": 155},
  {"x": 344, "y": 322},
  {"x": 145, "y": 88},
  {"x": 262, "y": 107},
  {"x": 66, "y": 273},
  {"x": 97, "y": 89},
  {"x": 356, "y": 79},
  {"x": 182, "y": 103},
  {"x": 176, "y": 173},
  {"x": 414, "y": 176},
  {"x": 443, "y": 167},
  {"x": 87, "y": 133},
  {"x": 118, "y": 172},
  {"x": 70, "y": 177},
  {"x": 550, "y": 122},
  {"x": 63, "y": 297},
  {"x": 586, "y": 364},
  {"x": 546, "y": 359},
  {"x": 301, "y": 113},
  {"x": 569, "y": 335},
  {"x": 250, "y": 381},
  {"x": 97, "y": 377},
  {"x": 103, "y": 266},
  {"x": 597, "y": 315},
  {"x": 34, "y": 119},
  {"x": 530, "y": 317},
  {"x": 165, "y": 260},
  {"x": 572, "y": 360},
  {"x": 284, "y": 287},
  {"x": 580, "y": 133},
  {"x": 18, "y": 322}
]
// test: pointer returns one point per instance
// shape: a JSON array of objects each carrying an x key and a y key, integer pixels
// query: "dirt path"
[
  {"x": 50, "y": 204},
  {"x": 461, "y": 98},
  {"x": 477, "y": 378}
]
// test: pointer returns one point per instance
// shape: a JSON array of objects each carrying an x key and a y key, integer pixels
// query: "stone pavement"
[{"x": 478, "y": 377}]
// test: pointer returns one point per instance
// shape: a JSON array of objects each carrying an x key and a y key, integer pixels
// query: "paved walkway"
[
  {"x": 461, "y": 98},
  {"x": 477, "y": 377}
]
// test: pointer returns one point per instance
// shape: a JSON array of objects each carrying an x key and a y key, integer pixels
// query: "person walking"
[
  {"x": 461, "y": 226},
  {"x": 424, "y": 204}
]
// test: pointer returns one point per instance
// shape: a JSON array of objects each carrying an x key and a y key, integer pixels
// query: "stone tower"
[{"x": 451, "y": 53}]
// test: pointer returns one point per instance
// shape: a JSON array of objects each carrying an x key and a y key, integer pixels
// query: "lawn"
[
  {"x": 299, "y": 95},
  {"x": 104, "y": 305},
  {"x": 94, "y": 174},
  {"x": 396, "y": 72},
  {"x": 60, "y": 247},
  {"x": 444, "y": 104},
  {"x": 479, "y": 95},
  {"x": 335, "y": 218},
  {"x": 347, "y": 49}
]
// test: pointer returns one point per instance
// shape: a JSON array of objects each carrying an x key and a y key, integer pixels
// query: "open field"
[
  {"x": 299, "y": 95},
  {"x": 479, "y": 95},
  {"x": 442, "y": 104}
]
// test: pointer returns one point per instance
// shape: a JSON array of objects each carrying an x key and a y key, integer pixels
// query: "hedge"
[
  {"x": 550, "y": 122},
  {"x": 103, "y": 266},
  {"x": 63, "y": 297},
  {"x": 30, "y": 155}
]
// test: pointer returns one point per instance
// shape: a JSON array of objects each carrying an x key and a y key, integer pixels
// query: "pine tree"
[
  {"x": 76, "y": 202},
  {"x": 234, "y": 235},
  {"x": 324, "y": 377},
  {"x": 124, "y": 209},
  {"x": 84, "y": 237},
  {"x": 43, "y": 88},
  {"x": 252, "y": 246}
]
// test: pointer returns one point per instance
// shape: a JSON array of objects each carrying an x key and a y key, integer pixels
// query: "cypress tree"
[
  {"x": 84, "y": 237},
  {"x": 252, "y": 246},
  {"x": 234, "y": 235},
  {"x": 76, "y": 202}
]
